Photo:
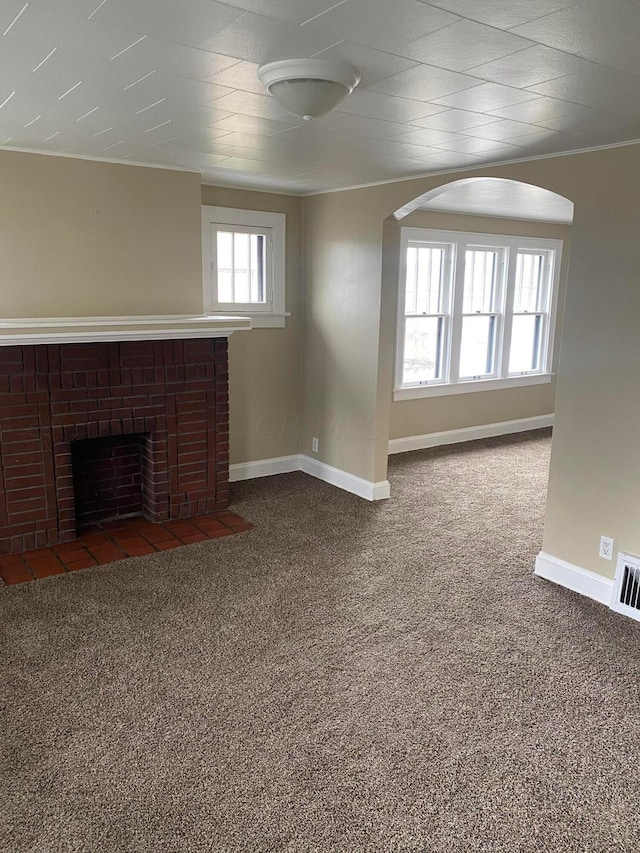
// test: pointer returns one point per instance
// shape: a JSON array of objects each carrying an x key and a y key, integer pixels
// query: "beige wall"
[
  {"x": 459, "y": 411},
  {"x": 439, "y": 414},
  {"x": 265, "y": 364},
  {"x": 595, "y": 472},
  {"x": 82, "y": 238}
]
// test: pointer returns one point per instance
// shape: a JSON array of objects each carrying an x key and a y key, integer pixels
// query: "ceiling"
[
  {"x": 445, "y": 84},
  {"x": 499, "y": 197}
]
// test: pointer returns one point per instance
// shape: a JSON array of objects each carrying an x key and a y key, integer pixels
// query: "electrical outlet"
[
  {"x": 314, "y": 444},
  {"x": 606, "y": 548}
]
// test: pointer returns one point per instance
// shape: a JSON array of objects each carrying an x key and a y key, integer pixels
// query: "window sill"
[
  {"x": 418, "y": 391},
  {"x": 260, "y": 319}
]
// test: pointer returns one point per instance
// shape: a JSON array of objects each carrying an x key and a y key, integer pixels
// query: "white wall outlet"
[
  {"x": 606, "y": 548},
  {"x": 314, "y": 444}
]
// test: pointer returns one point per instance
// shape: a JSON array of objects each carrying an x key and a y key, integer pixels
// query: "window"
[
  {"x": 243, "y": 263},
  {"x": 475, "y": 311}
]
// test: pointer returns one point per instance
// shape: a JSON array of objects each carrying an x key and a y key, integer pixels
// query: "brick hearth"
[{"x": 171, "y": 397}]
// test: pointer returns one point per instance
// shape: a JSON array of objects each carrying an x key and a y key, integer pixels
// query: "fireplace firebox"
[{"x": 109, "y": 476}]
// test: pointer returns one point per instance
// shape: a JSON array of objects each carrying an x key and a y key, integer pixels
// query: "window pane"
[
  {"x": 242, "y": 267},
  {"x": 529, "y": 277},
  {"x": 424, "y": 283},
  {"x": 525, "y": 343},
  {"x": 422, "y": 350},
  {"x": 477, "y": 346},
  {"x": 480, "y": 274},
  {"x": 225, "y": 266},
  {"x": 411, "y": 280}
]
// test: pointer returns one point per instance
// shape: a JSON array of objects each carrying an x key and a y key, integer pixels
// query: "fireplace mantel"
[{"x": 61, "y": 330}]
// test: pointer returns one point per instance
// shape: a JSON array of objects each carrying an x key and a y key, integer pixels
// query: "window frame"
[
  {"x": 509, "y": 247},
  {"x": 271, "y": 313},
  {"x": 445, "y": 312},
  {"x": 458, "y": 315}
]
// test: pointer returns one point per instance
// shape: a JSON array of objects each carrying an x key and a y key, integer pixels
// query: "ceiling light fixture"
[{"x": 309, "y": 87}]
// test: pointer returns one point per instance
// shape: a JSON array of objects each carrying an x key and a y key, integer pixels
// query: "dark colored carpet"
[{"x": 345, "y": 677}]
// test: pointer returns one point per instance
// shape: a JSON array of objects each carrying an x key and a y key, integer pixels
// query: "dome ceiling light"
[{"x": 309, "y": 87}]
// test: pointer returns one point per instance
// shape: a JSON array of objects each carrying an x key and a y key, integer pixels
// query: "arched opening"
[
  {"x": 503, "y": 378},
  {"x": 496, "y": 197}
]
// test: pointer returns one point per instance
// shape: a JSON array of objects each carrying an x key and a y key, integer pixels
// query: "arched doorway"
[{"x": 495, "y": 217}]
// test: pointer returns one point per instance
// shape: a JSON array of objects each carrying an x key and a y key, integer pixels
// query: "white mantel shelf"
[{"x": 70, "y": 330}]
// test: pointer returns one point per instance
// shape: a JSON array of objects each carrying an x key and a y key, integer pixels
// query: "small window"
[
  {"x": 475, "y": 311},
  {"x": 243, "y": 263}
]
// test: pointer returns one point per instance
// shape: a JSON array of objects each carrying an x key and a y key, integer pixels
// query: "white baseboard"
[
  {"x": 574, "y": 578},
  {"x": 334, "y": 476},
  {"x": 343, "y": 480},
  {"x": 263, "y": 468},
  {"x": 454, "y": 436}
]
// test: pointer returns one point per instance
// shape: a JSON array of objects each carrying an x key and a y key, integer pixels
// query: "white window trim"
[
  {"x": 493, "y": 383},
  {"x": 273, "y": 314},
  {"x": 414, "y": 392}
]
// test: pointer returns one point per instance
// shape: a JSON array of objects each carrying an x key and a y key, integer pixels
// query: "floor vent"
[{"x": 626, "y": 587}]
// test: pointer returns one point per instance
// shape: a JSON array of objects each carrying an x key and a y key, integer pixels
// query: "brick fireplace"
[{"x": 92, "y": 431}]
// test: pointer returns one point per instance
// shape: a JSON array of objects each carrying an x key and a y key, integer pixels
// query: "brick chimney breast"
[{"x": 167, "y": 399}]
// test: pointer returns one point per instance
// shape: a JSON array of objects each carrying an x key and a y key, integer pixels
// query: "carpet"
[{"x": 345, "y": 677}]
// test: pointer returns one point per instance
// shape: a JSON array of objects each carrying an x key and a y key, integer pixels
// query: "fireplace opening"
[{"x": 108, "y": 478}]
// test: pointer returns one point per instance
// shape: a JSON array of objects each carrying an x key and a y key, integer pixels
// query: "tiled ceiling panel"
[
  {"x": 425, "y": 83},
  {"x": 589, "y": 87},
  {"x": 182, "y": 60},
  {"x": 258, "y": 38},
  {"x": 577, "y": 27},
  {"x": 292, "y": 11},
  {"x": 371, "y": 104},
  {"x": 189, "y": 22},
  {"x": 456, "y": 121},
  {"x": 445, "y": 84},
  {"x": 486, "y": 97},
  {"x": 625, "y": 56},
  {"x": 388, "y": 26},
  {"x": 533, "y": 65},
  {"x": 502, "y": 14},
  {"x": 464, "y": 45}
]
